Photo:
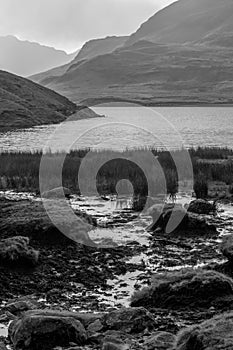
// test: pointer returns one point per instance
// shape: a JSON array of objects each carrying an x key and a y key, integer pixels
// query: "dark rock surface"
[
  {"x": 129, "y": 320},
  {"x": 175, "y": 219},
  {"x": 160, "y": 341},
  {"x": 214, "y": 334},
  {"x": 39, "y": 332},
  {"x": 186, "y": 288}
]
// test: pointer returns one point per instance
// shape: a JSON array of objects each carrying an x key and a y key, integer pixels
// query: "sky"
[{"x": 68, "y": 24}]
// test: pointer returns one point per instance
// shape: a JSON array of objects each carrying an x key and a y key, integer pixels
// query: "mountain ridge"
[
  {"x": 23, "y": 57},
  {"x": 90, "y": 49}
]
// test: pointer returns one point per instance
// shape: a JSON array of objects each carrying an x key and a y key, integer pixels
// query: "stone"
[
  {"x": 193, "y": 288},
  {"x": 129, "y": 320},
  {"x": 201, "y": 206},
  {"x": 3, "y": 346},
  {"x": 40, "y": 332},
  {"x": 160, "y": 341},
  {"x": 95, "y": 327},
  {"x": 19, "y": 306},
  {"x": 15, "y": 251},
  {"x": 226, "y": 247},
  {"x": 214, "y": 334},
  {"x": 115, "y": 346},
  {"x": 85, "y": 318},
  {"x": 56, "y": 193},
  {"x": 175, "y": 219}
]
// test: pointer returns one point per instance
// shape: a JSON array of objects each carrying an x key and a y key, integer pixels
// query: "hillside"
[
  {"x": 188, "y": 21},
  {"x": 25, "y": 104},
  {"x": 173, "y": 58},
  {"x": 26, "y": 58},
  {"x": 89, "y": 50},
  {"x": 153, "y": 74},
  {"x": 98, "y": 47}
]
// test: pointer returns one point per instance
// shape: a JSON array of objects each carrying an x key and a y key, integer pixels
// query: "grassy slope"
[
  {"x": 153, "y": 73},
  {"x": 182, "y": 54},
  {"x": 25, "y": 104},
  {"x": 89, "y": 50}
]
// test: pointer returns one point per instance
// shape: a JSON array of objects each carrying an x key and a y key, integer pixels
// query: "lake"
[{"x": 130, "y": 127}]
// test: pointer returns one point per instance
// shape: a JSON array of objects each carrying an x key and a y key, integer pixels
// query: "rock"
[
  {"x": 174, "y": 218},
  {"x": 214, "y": 334},
  {"x": 3, "y": 346},
  {"x": 56, "y": 193},
  {"x": 201, "y": 206},
  {"x": 160, "y": 341},
  {"x": 29, "y": 218},
  {"x": 7, "y": 317},
  {"x": 129, "y": 320},
  {"x": 95, "y": 327},
  {"x": 85, "y": 318},
  {"x": 226, "y": 247},
  {"x": 115, "y": 346},
  {"x": 40, "y": 332},
  {"x": 19, "y": 306},
  {"x": 16, "y": 251},
  {"x": 186, "y": 288}
]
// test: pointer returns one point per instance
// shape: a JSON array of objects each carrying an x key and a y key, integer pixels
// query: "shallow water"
[
  {"x": 161, "y": 127},
  {"x": 157, "y": 256}
]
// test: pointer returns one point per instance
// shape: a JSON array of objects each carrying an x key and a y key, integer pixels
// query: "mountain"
[
  {"x": 188, "y": 21},
  {"x": 25, "y": 104},
  {"x": 183, "y": 54},
  {"x": 26, "y": 58},
  {"x": 89, "y": 50},
  {"x": 98, "y": 47},
  {"x": 151, "y": 74}
]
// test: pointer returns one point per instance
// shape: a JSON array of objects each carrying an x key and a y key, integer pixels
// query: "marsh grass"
[{"x": 20, "y": 170}]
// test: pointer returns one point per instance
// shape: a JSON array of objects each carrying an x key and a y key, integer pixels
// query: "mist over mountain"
[
  {"x": 89, "y": 50},
  {"x": 182, "y": 54},
  {"x": 26, "y": 58}
]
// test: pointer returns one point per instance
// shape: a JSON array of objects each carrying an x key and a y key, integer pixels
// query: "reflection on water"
[{"x": 159, "y": 127}]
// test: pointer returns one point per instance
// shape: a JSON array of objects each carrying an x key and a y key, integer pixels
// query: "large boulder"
[
  {"x": 201, "y": 206},
  {"x": 29, "y": 218},
  {"x": 186, "y": 288},
  {"x": 44, "y": 332},
  {"x": 129, "y": 320},
  {"x": 214, "y": 334},
  {"x": 15, "y": 251},
  {"x": 175, "y": 219}
]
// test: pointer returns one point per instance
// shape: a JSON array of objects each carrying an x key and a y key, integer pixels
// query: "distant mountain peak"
[{"x": 25, "y": 58}]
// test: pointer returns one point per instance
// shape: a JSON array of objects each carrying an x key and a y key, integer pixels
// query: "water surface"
[{"x": 128, "y": 127}]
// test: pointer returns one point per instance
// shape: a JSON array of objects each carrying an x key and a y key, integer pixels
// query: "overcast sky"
[{"x": 67, "y": 24}]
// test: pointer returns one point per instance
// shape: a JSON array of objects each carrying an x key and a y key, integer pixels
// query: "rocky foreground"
[{"x": 49, "y": 286}]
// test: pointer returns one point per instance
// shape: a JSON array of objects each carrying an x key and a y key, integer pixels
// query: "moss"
[
  {"x": 186, "y": 288},
  {"x": 213, "y": 334}
]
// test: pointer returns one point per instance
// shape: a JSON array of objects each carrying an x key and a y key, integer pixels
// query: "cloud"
[{"x": 68, "y": 23}]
